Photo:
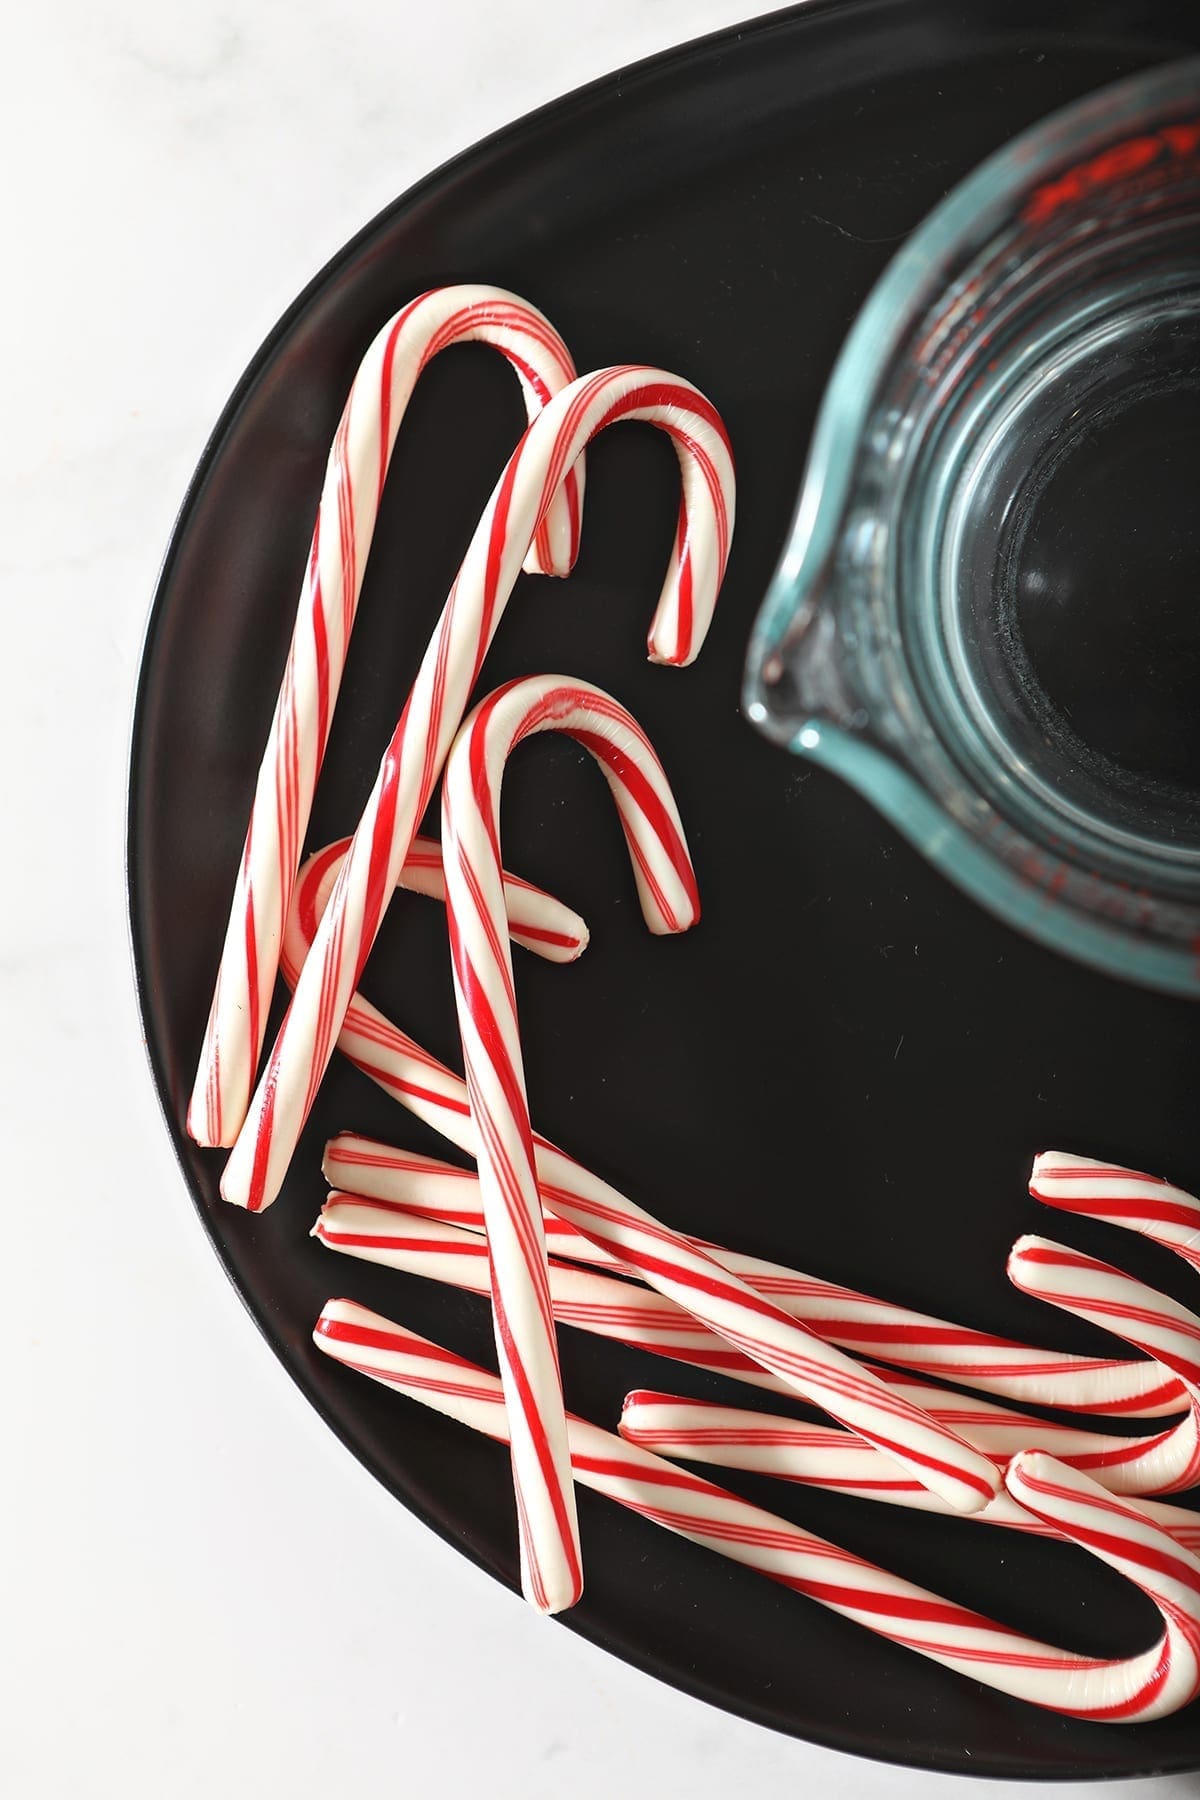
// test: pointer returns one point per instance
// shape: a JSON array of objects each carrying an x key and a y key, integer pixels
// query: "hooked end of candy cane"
[
  {"x": 555, "y": 544},
  {"x": 1067, "y": 1498},
  {"x": 562, "y": 947},
  {"x": 631, "y": 1423},
  {"x": 1053, "y": 1168},
  {"x": 1021, "y": 1258},
  {"x": 1028, "y": 1475},
  {"x": 1036, "y": 1266}
]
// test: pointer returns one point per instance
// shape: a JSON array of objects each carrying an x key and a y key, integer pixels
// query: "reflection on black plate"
[{"x": 846, "y": 1066}]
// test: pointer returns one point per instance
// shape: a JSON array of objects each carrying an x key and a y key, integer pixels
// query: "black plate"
[{"x": 847, "y": 1066}]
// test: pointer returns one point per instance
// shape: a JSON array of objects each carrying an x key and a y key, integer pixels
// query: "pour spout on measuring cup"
[{"x": 802, "y": 681}]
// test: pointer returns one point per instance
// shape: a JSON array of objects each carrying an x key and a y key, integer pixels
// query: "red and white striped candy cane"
[
  {"x": 622, "y": 1311},
  {"x": 1128, "y": 1308},
  {"x": 551, "y": 1569},
  {"x": 1141, "y": 1203},
  {"x": 1169, "y": 1462},
  {"x": 450, "y": 668},
  {"x": 287, "y": 777},
  {"x": 677, "y": 1268},
  {"x": 858, "y": 1322},
  {"x": 732, "y": 1437},
  {"x": 536, "y": 920},
  {"x": 699, "y": 1430},
  {"x": 1125, "y": 1690},
  {"x": 406, "y": 1183}
]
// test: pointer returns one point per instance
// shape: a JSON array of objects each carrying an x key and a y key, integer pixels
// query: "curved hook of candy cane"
[
  {"x": 411, "y": 764},
  {"x": 629, "y": 1237},
  {"x": 551, "y": 1567},
  {"x": 287, "y": 777},
  {"x": 536, "y": 920},
  {"x": 1165, "y": 1677},
  {"x": 1169, "y": 1462},
  {"x": 1169, "y": 1332},
  {"x": 1127, "y": 1197},
  {"x": 1127, "y": 1690}
]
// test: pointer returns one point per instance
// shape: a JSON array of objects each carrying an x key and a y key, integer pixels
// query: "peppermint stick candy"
[
  {"x": 287, "y": 777},
  {"x": 551, "y": 1572},
  {"x": 732, "y": 1437},
  {"x": 857, "y": 1322},
  {"x": 451, "y": 666},
  {"x": 1125, "y": 1690}
]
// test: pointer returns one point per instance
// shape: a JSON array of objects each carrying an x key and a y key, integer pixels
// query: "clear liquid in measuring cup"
[
  {"x": 1102, "y": 582},
  {"x": 1070, "y": 567}
]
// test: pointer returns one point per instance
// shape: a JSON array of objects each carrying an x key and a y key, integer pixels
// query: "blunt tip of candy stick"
[
  {"x": 1030, "y": 1466},
  {"x": 1021, "y": 1246},
  {"x": 1048, "y": 1164},
  {"x": 686, "y": 919},
  {"x": 254, "y": 1198},
  {"x": 563, "y": 947},
  {"x": 674, "y": 658},
  {"x": 1026, "y": 1256},
  {"x": 334, "y": 1313},
  {"x": 201, "y": 1129},
  {"x": 333, "y": 1146}
]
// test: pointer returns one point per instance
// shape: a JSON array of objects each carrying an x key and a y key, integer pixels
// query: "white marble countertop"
[{"x": 203, "y": 1593}]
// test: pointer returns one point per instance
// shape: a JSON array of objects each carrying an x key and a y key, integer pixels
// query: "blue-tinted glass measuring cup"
[{"x": 987, "y": 615}]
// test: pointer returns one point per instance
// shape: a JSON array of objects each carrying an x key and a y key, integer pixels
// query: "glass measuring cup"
[{"x": 987, "y": 614}]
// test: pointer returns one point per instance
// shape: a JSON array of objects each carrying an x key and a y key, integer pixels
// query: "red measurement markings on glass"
[{"x": 1174, "y": 143}]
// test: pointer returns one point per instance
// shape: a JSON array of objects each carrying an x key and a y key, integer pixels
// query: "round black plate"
[{"x": 847, "y": 1066}]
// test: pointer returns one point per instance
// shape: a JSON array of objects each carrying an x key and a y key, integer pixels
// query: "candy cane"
[
  {"x": 732, "y": 1437},
  {"x": 408, "y": 1184},
  {"x": 676, "y": 1268},
  {"x": 485, "y": 996},
  {"x": 1093, "y": 1290},
  {"x": 1128, "y": 1308},
  {"x": 699, "y": 1430},
  {"x": 620, "y": 1311},
  {"x": 439, "y": 697},
  {"x": 536, "y": 920},
  {"x": 1141, "y": 1203},
  {"x": 869, "y": 1327},
  {"x": 287, "y": 777},
  {"x": 1126, "y": 1690}
]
